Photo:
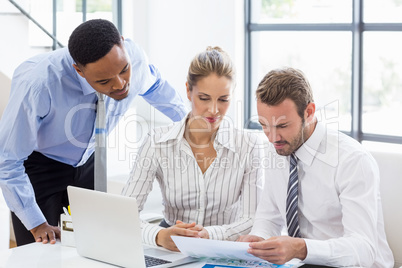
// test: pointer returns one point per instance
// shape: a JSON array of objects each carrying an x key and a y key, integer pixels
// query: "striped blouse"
[{"x": 223, "y": 199}]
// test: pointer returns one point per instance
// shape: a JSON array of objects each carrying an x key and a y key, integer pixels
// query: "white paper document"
[
  {"x": 207, "y": 248},
  {"x": 216, "y": 249}
]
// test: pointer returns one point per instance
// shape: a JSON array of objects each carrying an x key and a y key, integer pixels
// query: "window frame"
[
  {"x": 117, "y": 12},
  {"x": 357, "y": 27}
]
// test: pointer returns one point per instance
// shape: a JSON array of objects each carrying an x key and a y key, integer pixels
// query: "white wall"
[
  {"x": 5, "y": 86},
  {"x": 14, "y": 45},
  {"x": 172, "y": 32}
]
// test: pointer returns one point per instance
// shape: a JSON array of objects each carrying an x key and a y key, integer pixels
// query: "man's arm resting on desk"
[{"x": 32, "y": 217}]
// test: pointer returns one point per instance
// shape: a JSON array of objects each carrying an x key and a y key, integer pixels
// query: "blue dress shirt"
[{"x": 52, "y": 111}]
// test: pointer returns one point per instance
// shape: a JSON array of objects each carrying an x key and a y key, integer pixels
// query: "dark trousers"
[{"x": 50, "y": 179}]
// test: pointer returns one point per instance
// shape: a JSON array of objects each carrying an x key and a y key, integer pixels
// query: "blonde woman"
[{"x": 209, "y": 172}]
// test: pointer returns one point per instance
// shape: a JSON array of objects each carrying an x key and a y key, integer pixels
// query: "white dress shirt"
[
  {"x": 223, "y": 199},
  {"x": 340, "y": 213}
]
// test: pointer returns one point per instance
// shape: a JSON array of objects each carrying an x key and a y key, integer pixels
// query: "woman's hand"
[
  {"x": 202, "y": 232},
  {"x": 163, "y": 238}
]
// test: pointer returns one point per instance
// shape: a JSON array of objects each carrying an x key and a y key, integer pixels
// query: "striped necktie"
[
  {"x": 292, "y": 219},
  {"x": 100, "y": 182}
]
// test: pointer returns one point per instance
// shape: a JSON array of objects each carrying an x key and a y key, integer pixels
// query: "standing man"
[
  {"x": 47, "y": 130},
  {"x": 327, "y": 195}
]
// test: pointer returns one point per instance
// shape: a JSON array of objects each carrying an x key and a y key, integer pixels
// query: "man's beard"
[{"x": 296, "y": 142}]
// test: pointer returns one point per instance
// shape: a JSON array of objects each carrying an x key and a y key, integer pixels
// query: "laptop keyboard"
[{"x": 152, "y": 261}]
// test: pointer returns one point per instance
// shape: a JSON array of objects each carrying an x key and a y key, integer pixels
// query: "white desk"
[{"x": 53, "y": 256}]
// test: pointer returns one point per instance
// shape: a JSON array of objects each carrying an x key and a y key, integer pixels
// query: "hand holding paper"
[
  {"x": 163, "y": 238},
  {"x": 207, "y": 248},
  {"x": 228, "y": 252}
]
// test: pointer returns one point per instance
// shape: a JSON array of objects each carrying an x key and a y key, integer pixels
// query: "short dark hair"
[
  {"x": 280, "y": 84},
  {"x": 92, "y": 40}
]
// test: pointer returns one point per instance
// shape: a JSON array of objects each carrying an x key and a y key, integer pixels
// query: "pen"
[
  {"x": 65, "y": 211},
  {"x": 69, "y": 211}
]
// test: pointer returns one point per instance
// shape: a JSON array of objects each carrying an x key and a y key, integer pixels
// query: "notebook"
[{"x": 107, "y": 228}]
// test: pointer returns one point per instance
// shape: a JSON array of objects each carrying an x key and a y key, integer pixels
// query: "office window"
[
  {"x": 293, "y": 11},
  {"x": 75, "y": 12},
  {"x": 382, "y": 83},
  {"x": 324, "y": 56},
  {"x": 60, "y": 17},
  {"x": 347, "y": 49},
  {"x": 384, "y": 11}
]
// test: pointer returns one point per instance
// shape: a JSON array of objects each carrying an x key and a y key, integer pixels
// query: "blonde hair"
[
  {"x": 281, "y": 84},
  {"x": 212, "y": 60}
]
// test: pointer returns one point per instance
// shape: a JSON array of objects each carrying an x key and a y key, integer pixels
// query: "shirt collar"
[
  {"x": 224, "y": 136},
  {"x": 86, "y": 87},
  {"x": 175, "y": 132},
  {"x": 310, "y": 148}
]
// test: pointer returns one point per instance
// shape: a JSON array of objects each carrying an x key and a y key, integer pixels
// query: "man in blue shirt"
[{"x": 47, "y": 130}]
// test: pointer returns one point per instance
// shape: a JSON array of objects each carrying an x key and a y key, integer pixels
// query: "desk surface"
[{"x": 53, "y": 256}]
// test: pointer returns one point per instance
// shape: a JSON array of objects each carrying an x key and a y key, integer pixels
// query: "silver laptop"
[{"x": 107, "y": 228}]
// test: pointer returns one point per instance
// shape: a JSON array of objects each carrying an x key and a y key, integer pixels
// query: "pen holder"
[{"x": 67, "y": 231}]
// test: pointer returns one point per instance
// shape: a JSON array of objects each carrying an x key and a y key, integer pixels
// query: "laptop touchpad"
[{"x": 160, "y": 253}]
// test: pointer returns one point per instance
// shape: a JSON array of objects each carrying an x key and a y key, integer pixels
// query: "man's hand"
[
  {"x": 45, "y": 233},
  {"x": 249, "y": 238},
  {"x": 279, "y": 249},
  {"x": 163, "y": 238}
]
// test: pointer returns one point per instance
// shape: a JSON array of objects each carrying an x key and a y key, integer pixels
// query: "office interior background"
[{"x": 349, "y": 50}]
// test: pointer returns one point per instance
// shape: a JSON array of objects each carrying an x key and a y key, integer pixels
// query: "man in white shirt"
[{"x": 327, "y": 194}]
